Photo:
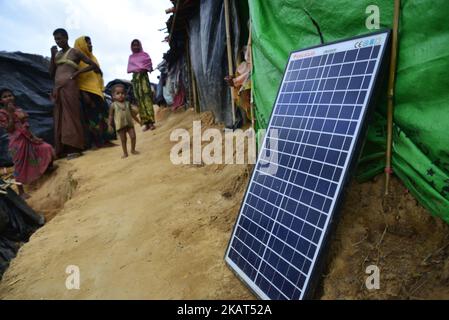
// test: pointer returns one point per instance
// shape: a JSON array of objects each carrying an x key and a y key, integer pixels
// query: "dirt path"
[
  {"x": 138, "y": 228},
  {"x": 142, "y": 228},
  {"x": 407, "y": 244}
]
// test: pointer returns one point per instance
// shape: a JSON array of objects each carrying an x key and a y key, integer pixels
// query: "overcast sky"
[{"x": 28, "y": 25}]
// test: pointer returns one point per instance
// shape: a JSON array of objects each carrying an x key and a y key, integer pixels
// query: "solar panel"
[{"x": 315, "y": 132}]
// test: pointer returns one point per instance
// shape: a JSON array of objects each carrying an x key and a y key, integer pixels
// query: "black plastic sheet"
[
  {"x": 208, "y": 52},
  {"x": 28, "y": 77},
  {"x": 17, "y": 223},
  {"x": 128, "y": 89}
]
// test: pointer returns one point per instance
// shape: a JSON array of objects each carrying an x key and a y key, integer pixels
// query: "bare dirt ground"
[
  {"x": 139, "y": 228},
  {"x": 142, "y": 228},
  {"x": 407, "y": 244}
]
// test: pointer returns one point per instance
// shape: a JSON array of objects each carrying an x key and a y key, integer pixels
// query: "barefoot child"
[{"x": 122, "y": 115}]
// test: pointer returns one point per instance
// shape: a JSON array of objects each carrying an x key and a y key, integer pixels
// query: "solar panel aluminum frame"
[{"x": 373, "y": 98}]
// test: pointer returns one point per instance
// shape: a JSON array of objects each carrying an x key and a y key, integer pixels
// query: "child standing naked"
[{"x": 121, "y": 114}]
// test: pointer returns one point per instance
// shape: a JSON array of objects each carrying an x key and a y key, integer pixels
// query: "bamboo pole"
[
  {"x": 391, "y": 95},
  {"x": 230, "y": 60},
  {"x": 172, "y": 29},
  {"x": 250, "y": 48}
]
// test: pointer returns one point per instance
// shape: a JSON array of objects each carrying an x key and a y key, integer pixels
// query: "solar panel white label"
[{"x": 314, "y": 132}]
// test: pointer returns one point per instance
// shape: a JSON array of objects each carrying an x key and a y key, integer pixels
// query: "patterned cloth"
[
  {"x": 144, "y": 97},
  {"x": 31, "y": 158},
  {"x": 96, "y": 116}
]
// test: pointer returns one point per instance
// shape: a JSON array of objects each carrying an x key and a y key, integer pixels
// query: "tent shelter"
[
  {"x": 198, "y": 47},
  {"x": 420, "y": 156}
]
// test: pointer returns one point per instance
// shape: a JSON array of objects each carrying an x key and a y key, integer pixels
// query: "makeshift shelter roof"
[{"x": 177, "y": 25}]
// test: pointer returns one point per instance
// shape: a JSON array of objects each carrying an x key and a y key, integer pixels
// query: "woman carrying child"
[
  {"x": 32, "y": 157},
  {"x": 121, "y": 114},
  {"x": 139, "y": 65}
]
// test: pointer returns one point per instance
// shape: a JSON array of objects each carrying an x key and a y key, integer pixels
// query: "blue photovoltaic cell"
[{"x": 292, "y": 195}]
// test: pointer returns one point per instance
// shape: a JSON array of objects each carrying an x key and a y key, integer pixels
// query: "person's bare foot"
[
  {"x": 135, "y": 152},
  {"x": 124, "y": 156}
]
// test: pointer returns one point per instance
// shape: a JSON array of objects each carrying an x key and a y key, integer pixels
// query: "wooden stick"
[
  {"x": 13, "y": 182},
  {"x": 250, "y": 48},
  {"x": 391, "y": 94},
  {"x": 189, "y": 69},
  {"x": 230, "y": 60}
]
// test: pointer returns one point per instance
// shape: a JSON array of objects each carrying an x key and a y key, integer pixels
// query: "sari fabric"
[
  {"x": 31, "y": 159},
  {"x": 140, "y": 64},
  {"x": 144, "y": 97},
  {"x": 69, "y": 130}
]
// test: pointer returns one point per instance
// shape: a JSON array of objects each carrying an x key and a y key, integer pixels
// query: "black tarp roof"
[{"x": 28, "y": 77}]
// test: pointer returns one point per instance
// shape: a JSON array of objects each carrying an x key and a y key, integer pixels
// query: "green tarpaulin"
[{"x": 421, "y": 146}]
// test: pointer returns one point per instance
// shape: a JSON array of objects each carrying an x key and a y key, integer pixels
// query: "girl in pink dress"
[{"x": 31, "y": 155}]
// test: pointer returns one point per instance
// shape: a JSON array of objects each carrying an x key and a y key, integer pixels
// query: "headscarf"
[
  {"x": 139, "y": 62},
  {"x": 89, "y": 81}
]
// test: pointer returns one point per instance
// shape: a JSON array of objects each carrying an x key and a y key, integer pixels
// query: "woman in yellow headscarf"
[{"x": 95, "y": 108}]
